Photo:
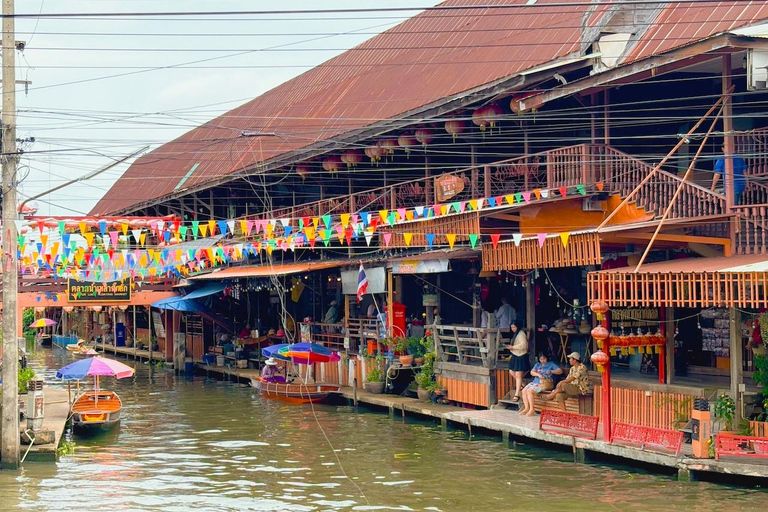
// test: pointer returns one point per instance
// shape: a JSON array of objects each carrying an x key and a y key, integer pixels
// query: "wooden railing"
[
  {"x": 751, "y": 233},
  {"x": 752, "y": 146},
  {"x": 467, "y": 345}
]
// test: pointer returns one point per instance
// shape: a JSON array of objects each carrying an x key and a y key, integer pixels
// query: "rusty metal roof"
[
  {"x": 426, "y": 58},
  {"x": 740, "y": 263},
  {"x": 680, "y": 24}
]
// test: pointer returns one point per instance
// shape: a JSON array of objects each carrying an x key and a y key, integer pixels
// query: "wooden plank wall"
[
  {"x": 582, "y": 249},
  {"x": 472, "y": 393},
  {"x": 503, "y": 383},
  {"x": 635, "y": 407},
  {"x": 689, "y": 289}
]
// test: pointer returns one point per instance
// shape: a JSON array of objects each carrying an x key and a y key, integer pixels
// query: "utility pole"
[{"x": 9, "y": 450}]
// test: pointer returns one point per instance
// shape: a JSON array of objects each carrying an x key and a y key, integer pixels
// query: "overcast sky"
[{"x": 103, "y": 88}]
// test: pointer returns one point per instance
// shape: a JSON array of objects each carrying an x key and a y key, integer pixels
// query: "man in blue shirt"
[{"x": 739, "y": 181}]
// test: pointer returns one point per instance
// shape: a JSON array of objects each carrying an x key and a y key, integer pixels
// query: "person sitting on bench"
[
  {"x": 573, "y": 386},
  {"x": 271, "y": 372},
  {"x": 543, "y": 372}
]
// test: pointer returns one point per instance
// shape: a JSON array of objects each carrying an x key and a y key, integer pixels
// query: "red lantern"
[
  {"x": 600, "y": 334},
  {"x": 488, "y": 115},
  {"x": 332, "y": 164},
  {"x": 406, "y": 142},
  {"x": 374, "y": 153},
  {"x": 455, "y": 127},
  {"x": 424, "y": 135},
  {"x": 352, "y": 157},
  {"x": 601, "y": 360},
  {"x": 388, "y": 146},
  {"x": 599, "y": 307},
  {"x": 302, "y": 170}
]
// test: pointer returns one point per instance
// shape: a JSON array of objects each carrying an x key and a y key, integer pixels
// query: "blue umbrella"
[{"x": 273, "y": 351}]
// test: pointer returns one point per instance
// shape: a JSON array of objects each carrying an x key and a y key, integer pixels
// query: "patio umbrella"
[
  {"x": 42, "y": 322},
  {"x": 95, "y": 366},
  {"x": 308, "y": 353},
  {"x": 274, "y": 351}
]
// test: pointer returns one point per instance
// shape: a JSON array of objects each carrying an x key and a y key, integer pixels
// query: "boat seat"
[{"x": 107, "y": 403}]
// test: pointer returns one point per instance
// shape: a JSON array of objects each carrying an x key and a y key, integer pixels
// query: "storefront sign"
[
  {"x": 429, "y": 299},
  {"x": 635, "y": 317},
  {"x": 420, "y": 267},
  {"x": 448, "y": 186},
  {"x": 112, "y": 291}
]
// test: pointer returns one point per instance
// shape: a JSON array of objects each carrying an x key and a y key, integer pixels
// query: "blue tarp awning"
[{"x": 187, "y": 302}]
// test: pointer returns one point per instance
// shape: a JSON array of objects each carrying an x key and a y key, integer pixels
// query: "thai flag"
[{"x": 362, "y": 283}]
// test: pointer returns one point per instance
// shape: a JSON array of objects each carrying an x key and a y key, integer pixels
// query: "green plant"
[
  {"x": 415, "y": 347},
  {"x": 763, "y": 416},
  {"x": 762, "y": 320},
  {"x": 398, "y": 345},
  {"x": 745, "y": 429},
  {"x": 25, "y": 375},
  {"x": 424, "y": 379},
  {"x": 375, "y": 374},
  {"x": 760, "y": 376},
  {"x": 681, "y": 410},
  {"x": 66, "y": 448},
  {"x": 27, "y": 317},
  {"x": 725, "y": 409}
]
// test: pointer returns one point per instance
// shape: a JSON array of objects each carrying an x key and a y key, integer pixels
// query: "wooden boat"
[
  {"x": 96, "y": 410},
  {"x": 45, "y": 340},
  {"x": 294, "y": 392}
]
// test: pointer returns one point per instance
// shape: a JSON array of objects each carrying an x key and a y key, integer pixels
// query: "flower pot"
[
  {"x": 375, "y": 388},
  {"x": 406, "y": 360},
  {"x": 418, "y": 361},
  {"x": 423, "y": 394}
]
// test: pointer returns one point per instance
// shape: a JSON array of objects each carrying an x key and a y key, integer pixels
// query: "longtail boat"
[
  {"x": 96, "y": 410},
  {"x": 294, "y": 392}
]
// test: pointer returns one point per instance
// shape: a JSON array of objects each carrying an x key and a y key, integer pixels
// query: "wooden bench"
[
  {"x": 656, "y": 438},
  {"x": 576, "y": 425},
  {"x": 741, "y": 446},
  {"x": 574, "y": 405}
]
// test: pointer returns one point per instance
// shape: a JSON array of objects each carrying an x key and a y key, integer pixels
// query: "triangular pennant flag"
[
  {"x": 419, "y": 211},
  {"x": 204, "y": 230},
  {"x": 44, "y": 240},
  {"x": 288, "y": 230},
  {"x": 517, "y": 238},
  {"x": 495, "y": 239},
  {"x": 581, "y": 189},
  {"x": 563, "y": 191},
  {"x": 537, "y": 193},
  {"x": 113, "y": 237},
  {"x": 473, "y": 240},
  {"x": 430, "y": 239},
  {"x": 195, "y": 228},
  {"x": 368, "y": 237},
  {"x": 407, "y": 237},
  {"x": 327, "y": 221},
  {"x": 61, "y": 227},
  {"x": 387, "y": 238},
  {"x": 401, "y": 213},
  {"x": 83, "y": 228},
  {"x": 103, "y": 227},
  {"x": 545, "y": 194},
  {"x": 285, "y": 222},
  {"x": 383, "y": 215},
  {"x": 510, "y": 198},
  {"x": 451, "y": 237},
  {"x": 519, "y": 197},
  {"x": 136, "y": 233},
  {"x": 231, "y": 226},
  {"x": 564, "y": 238},
  {"x": 143, "y": 239},
  {"x": 600, "y": 186},
  {"x": 212, "y": 227},
  {"x": 345, "y": 220},
  {"x": 492, "y": 202},
  {"x": 88, "y": 238},
  {"x": 391, "y": 218},
  {"x": 124, "y": 228},
  {"x": 223, "y": 226},
  {"x": 183, "y": 232},
  {"x": 542, "y": 238},
  {"x": 527, "y": 197}
]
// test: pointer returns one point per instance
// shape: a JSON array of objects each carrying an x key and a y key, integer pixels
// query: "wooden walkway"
[
  {"x": 512, "y": 425},
  {"x": 56, "y": 411}
]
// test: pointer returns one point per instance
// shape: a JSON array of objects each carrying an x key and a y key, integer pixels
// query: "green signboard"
[{"x": 111, "y": 291}]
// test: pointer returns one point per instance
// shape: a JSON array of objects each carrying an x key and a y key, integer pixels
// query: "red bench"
[
  {"x": 658, "y": 438},
  {"x": 568, "y": 423},
  {"x": 741, "y": 446}
]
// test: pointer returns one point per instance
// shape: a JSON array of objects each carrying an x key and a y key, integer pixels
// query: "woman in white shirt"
[{"x": 519, "y": 364}]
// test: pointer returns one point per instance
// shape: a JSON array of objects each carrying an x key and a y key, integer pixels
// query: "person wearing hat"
[
  {"x": 576, "y": 384},
  {"x": 332, "y": 314},
  {"x": 271, "y": 372}
]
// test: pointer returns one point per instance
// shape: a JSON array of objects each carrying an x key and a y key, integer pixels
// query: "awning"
[
  {"x": 203, "y": 291},
  {"x": 269, "y": 270},
  {"x": 734, "y": 281}
]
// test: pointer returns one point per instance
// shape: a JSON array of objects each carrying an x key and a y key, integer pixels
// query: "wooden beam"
[
  {"x": 675, "y": 237},
  {"x": 505, "y": 216}
]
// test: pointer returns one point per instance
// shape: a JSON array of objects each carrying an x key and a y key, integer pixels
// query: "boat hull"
[
  {"x": 90, "y": 414},
  {"x": 294, "y": 392}
]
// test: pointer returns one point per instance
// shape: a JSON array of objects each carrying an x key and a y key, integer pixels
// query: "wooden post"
[
  {"x": 530, "y": 314},
  {"x": 606, "y": 391},
  {"x": 728, "y": 145},
  {"x": 390, "y": 308},
  {"x": 151, "y": 346},
  {"x": 486, "y": 181},
  {"x": 669, "y": 346},
  {"x": 135, "y": 344},
  {"x": 473, "y": 165},
  {"x": 606, "y": 117},
  {"x": 430, "y": 197},
  {"x": 737, "y": 375}
]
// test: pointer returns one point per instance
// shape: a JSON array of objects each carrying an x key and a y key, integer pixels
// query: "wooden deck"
[{"x": 512, "y": 425}]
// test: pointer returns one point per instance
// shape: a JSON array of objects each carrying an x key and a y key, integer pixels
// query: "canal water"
[{"x": 203, "y": 444}]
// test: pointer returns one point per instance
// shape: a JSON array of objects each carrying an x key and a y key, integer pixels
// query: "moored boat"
[
  {"x": 294, "y": 392},
  {"x": 96, "y": 410}
]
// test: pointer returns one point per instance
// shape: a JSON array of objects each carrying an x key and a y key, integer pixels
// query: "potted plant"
[
  {"x": 425, "y": 382},
  {"x": 25, "y": 375},
  {"x": 417, "y": 350},
  {"x": 725, "y": 409},
  {"x": 374, "y": 378},
  {"x": 400, "y": 348}
]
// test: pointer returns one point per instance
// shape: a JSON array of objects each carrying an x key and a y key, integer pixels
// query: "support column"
[
  {"x": 606, "y": 117},
  {"x": 737, "y": 374},
  {"x": 728, "y": 144},
  {"x": 530, "y": 313},
  {"x": 669, "y": 346},
  {"x": 390, "y": 300}
]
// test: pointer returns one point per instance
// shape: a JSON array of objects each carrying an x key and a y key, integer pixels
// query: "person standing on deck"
[
  {"x": 518, "y": 361},
  {"x": 505, "y": 315},
  {"x": 739, "y": 181},
  {"x": 332, "y": 314}
]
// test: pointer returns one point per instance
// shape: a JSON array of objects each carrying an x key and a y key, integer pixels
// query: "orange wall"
[{"x": 562, "y": 216}]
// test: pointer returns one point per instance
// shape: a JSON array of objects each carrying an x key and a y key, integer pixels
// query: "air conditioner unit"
[
  {"x": 757, "y": 70},
  {"x": 589, "y": 204}
]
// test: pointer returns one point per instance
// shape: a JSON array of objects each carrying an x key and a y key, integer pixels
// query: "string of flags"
[{"x": 105, "y": 255}]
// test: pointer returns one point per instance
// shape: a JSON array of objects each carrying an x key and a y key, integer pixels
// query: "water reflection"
[{"x": 209, "y": 445}]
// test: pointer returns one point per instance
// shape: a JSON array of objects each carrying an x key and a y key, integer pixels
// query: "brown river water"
[{"x": 202, "y": 444}]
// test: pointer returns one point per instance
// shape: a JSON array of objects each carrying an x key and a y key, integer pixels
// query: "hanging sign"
[
  {"x": 448, "y": 186},
  {"x": 111, "y": 291},
  {"x": 420, "y": 267}
]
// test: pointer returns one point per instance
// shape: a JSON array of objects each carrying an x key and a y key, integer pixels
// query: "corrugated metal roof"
[
  {"x": 424, "y": 59},
  {"x": 741, "y": 263},
  {"x": 680, "y": 24}
]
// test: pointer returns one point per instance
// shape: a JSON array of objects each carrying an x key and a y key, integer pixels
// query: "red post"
[
  {"x": 606, "y": 399},
  {"x": 663, "y": 352}
]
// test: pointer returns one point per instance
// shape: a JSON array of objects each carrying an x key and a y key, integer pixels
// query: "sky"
[{"x": 103, "y": 88}]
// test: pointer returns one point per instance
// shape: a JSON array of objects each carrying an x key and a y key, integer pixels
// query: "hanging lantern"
[
  {"x": 374, "y": 153},
  {"x": 302, "y": 170},
  {"x": 407, "y": 142},
  {"x": 332, "y": 164},
  {"x": 123, "y": 307},
  {"x": 424, "y": 136},
  {"x": 486, "y": 116},
  {"x": 68, "y": 309},
  {"x": 39, "y": 309},
  {"x": 352, "y": 157},
  {"x": 601, "y": 360},
  {"x": 96, "y": 309},
  {"x": 599, "y": 307},
  {"x": 455, "y": 127},
  {"x": 600, "y": 334},
  {"x": 388, "y": 146}
]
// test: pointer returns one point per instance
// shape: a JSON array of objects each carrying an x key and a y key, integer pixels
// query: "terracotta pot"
[
  {"x": 423, "y": 394},
  {"x": 375, "y": 388},
  {"x": 418, "y": 361},
  {"x": 406, "y": 360}
]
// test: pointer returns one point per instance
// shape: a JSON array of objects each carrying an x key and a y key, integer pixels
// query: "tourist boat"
[
  {"x": 96, "y": 410},
  {"x": 294, "y": 392}
]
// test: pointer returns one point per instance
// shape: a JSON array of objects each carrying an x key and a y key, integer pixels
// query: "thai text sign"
[
  {"x": 111, "y": 291},
  {"x": 448, "y": 186}
]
